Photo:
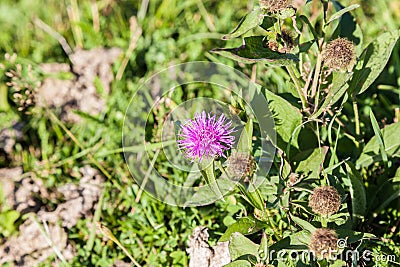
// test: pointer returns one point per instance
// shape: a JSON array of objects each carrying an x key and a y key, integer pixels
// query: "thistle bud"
[
  {"x": 323, "y": 242},
  {"x": 339, "y": 54},
  {"x": 240, "y": 165},
  {"x": 324, "y": 200}
]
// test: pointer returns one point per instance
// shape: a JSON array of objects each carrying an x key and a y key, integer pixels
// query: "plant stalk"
[
  {"x": 357, "y": 120},
  {"x": 297, "y": 83},
  {"x": 314, "y": 86},
  {"x": 4, "y": 106},
  {"x": 324, "y": 222}
]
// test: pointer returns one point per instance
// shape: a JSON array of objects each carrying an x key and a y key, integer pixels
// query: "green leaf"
[
  {"x": 379, "y": 136},
  {"x": 389, "y": 199},
  {"x": 240, "y": 245},
  {"x": 269, "y": 188},
  {"x": 245, "y": 225},
  {"x": 246, "y": 137},
  {"x": 397, "y": 172},
  {"x": 248, "y": 22},
  {"x": 341, "y": 12},
  {"x": 252, "y": 196},
  {"x": 178, "y": 257},
  {"x": 7, "y": 222},
  {"x": 371, "y": 152},
  {"x": 372, "y": 61},
  {"x": 207, "y": 195},
  {"x": 352, "y": 236},
  {"x": 239, "y": 263},
  {"x": 357, "y": 191},
  {"x": 311, "y": 161},
  {"x": 338, "y": 89},
  {"x": 303, "y": 224},
  {"x": 282, "y": 264},
  {"x": 297, "y": 240},
  {"x": 287, "y": 119},
  {"x": 307, "y": 21},
  {"x": 287, "y": 13},
  {"x": 387, "y": 193},
  {"x": 382, "y": 195},
  {"x": 268, "y": 22},
  {"x": 255, "y": 50},
  {"x": 338, "y": 263}
]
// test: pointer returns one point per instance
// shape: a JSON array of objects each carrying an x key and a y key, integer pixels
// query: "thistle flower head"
[
  {"x": 323, "y": 242},
  {"x": 324, "y": 200},
  {"x": 274, "y": 5},
  {"x": 205, "y": 136},
  {"x": 339, "y": 54}
]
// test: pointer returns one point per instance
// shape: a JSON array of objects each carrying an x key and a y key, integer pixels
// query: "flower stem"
[
  {"x": 297, "y": 83},
  {"x": 107, "y": 233},
  {"x": 4, "y": 106},
  {"x": 324, "y": 222},
  {"x": 317, "y": 73},
  {"x": 207, "y": 171}
]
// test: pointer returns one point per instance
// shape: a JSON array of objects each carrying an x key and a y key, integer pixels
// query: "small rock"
[
  {"x": 9, "y": 136},
  {"x": 202, "y": 254},
  {"x": 79, "y": 93},
  {"x": 32, "y": 246}
]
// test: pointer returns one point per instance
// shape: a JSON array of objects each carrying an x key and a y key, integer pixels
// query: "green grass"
[{"x": 173, "y": 31}]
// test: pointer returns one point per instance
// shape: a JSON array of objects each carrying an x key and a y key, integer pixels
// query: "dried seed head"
[
  {"x": 240, "y": 165},
  {"x": 324, "y": 200},
  {"x": 10, "y": 58},
  {"x": 275, "y": 5},
  {"x": 24, "y": 84},
  {"x": 323, "y": 242},
  {"x": 288, "y": 39},
  {"x": 339, "y": 54}
]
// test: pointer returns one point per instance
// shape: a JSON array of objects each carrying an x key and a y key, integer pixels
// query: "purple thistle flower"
[{"x": 206, "y": 136}]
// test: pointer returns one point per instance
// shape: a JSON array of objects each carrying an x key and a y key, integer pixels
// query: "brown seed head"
[
  {"x": 24, "y": 85},
  {"x": 275, "y": 5},
  {"x": 324, "y": 200},
  {"x": 339, "y": 54},
  {"x": 240, "y": 165},
  {"x": 323, "y": 242},
  {"x": 288, "y": 39}
]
